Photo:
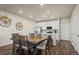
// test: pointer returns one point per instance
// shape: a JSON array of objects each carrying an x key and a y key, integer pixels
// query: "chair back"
[
  {"x": 31, "y": 35},
  {"x": 23, "y": 40},
  {"x": 38, "y": 35},
  {"x": 42, "y": 45},
  {"x": 15, "y": 37}
]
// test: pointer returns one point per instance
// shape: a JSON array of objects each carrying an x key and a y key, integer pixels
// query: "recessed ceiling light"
[
  {"x": 20, "y": 11},
  {"x": 41, "y": 4},
  {"x": 48, "y": 12},
  {"x": 52, "y": 17},
  {"x": 44, "y": 15},
  {"x": 37, "y": 19},
  {"x": 30, "y": 16}
]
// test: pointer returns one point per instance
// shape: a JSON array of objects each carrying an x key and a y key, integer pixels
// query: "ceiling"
[{"x": 39, "y": 12}]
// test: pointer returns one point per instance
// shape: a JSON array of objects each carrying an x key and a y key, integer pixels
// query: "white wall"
[
  {"x": 5, "y": 32},
  {"x": 65, "y": 29},
  {"x": 75, "y": 28}
]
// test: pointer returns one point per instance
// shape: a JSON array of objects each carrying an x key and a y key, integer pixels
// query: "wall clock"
[
  {"x": 19, "y": 26},
  {"x": 5, "y": 21}
]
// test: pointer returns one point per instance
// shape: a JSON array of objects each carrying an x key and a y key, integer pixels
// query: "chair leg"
[
  {"x": 45, "y": 51},
  {"x": 13, "y": 50},
  {"x": 35, "y": 51},
  {"x": 49, "y": 50},
  {"x": 25, "y": 52}
]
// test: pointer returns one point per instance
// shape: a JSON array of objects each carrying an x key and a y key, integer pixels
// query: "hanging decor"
[
  {"x": 5, "y": 21},
  {"x": 19, "y": 26}
]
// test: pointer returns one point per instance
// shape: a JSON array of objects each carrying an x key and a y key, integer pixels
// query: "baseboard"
[{"x": 5, "y": 45}]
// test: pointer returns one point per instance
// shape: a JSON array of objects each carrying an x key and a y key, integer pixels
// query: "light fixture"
[
  {"x": 52, "y": 17},
  {"x": 37, "y": 19},
  {"x": 20, "y": 11},
  {"x": 41, "y": 4},
  {"x": 30, "y": 16},
  {"x": 48, "y": 12},
  {"x": 44, "y": 15}
]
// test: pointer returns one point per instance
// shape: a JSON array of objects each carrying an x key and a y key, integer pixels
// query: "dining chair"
[
  {"x": 31, "y": 35},
  {"x": 42, "y": 47},
  {"x": 24, "y": 43},
  {"x": 49, "y": 44},
  {"x": 15, "y": 39}
]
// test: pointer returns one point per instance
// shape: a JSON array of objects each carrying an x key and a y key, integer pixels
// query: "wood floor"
[
  {"x": 63, "y": 47},
  {"x": 5, "y": 49}
]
